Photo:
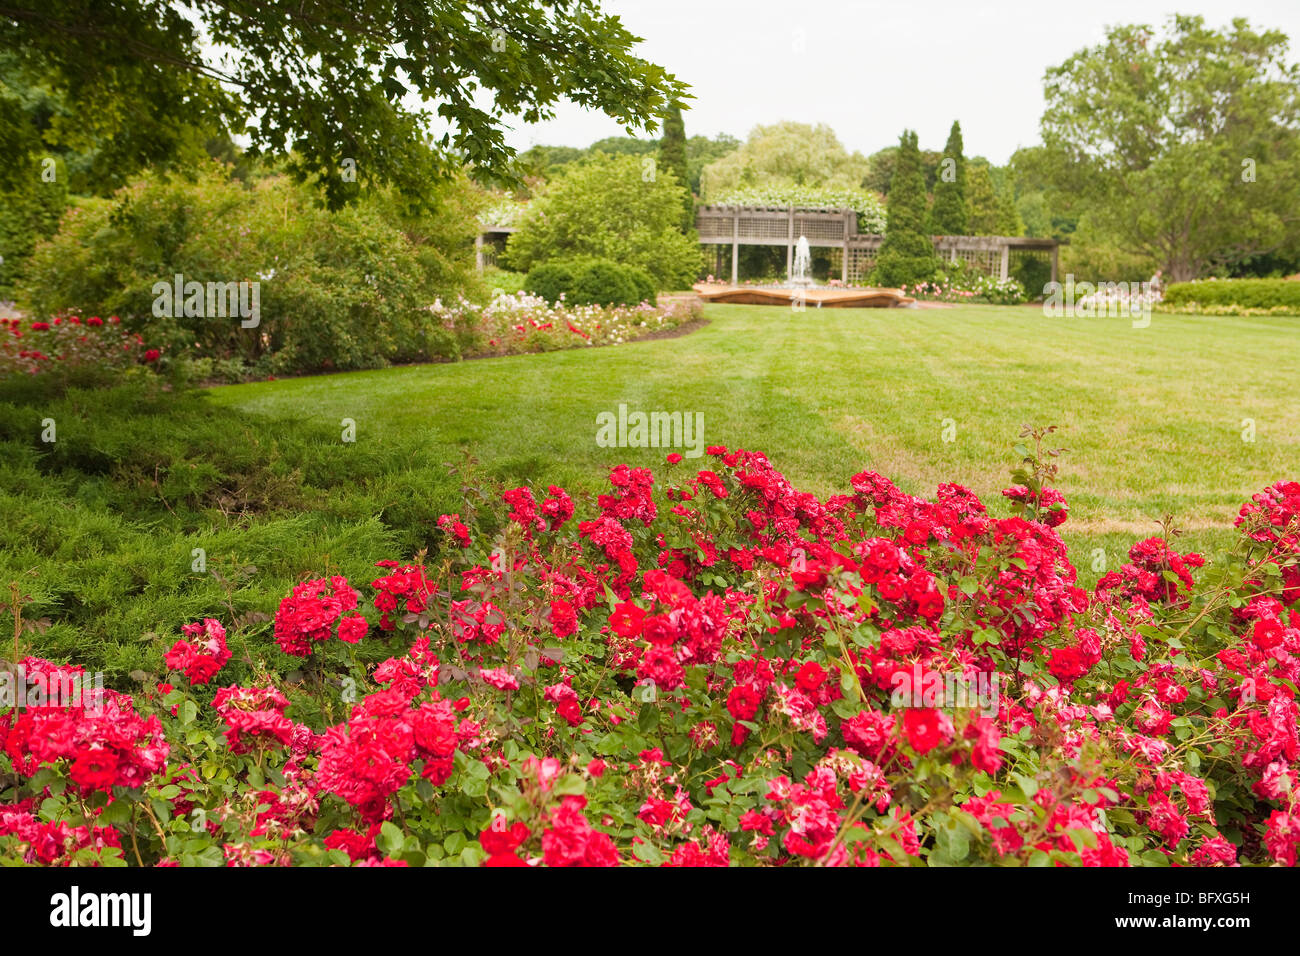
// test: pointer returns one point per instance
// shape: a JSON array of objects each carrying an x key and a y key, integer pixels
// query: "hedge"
[
  {"x": 589, "y": 281},
  {"x": 1244, "y": 293}
]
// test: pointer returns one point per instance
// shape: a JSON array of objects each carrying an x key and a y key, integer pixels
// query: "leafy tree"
[
  {"x": 332, "y": 85},
  {"x": 786, "y": 154},
  {"x": 621, "y": 146},
  {"x": 907, "y": 255},
  {"x": 672, "y": 157},
  {"x": 1045, "y": 210},
  {"x": 880, "y": 169},
  {"x": 544, "y": 161},
  {"x": 703, "y": 150},
  {"x": 1184, "y": 144},
  {"x": 345, "y": 289},
  {"x": 948, "y": 213},
  {"x": 607, "y": 207}
]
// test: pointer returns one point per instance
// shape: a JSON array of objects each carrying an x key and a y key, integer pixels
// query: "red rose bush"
[
  {"x": 67, "y": 342},
  {"x": 711, "y": 668}
]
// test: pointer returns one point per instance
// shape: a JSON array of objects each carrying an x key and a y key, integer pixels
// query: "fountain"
[
  {"x": 800, "y": 288},
  {"x": 799, "y": 278}
]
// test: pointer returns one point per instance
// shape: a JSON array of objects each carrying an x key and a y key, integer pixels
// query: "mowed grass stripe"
[{"x": 1151, "y": 417}]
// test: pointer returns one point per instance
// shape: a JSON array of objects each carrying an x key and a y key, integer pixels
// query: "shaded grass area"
[{"x": 100, "y": 526}]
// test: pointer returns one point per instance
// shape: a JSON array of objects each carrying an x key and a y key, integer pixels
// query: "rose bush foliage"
[
  {"x": 699, "y": 671},
  {"x": 69, "y": 345}
]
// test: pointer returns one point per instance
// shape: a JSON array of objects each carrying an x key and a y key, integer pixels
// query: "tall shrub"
[
  {"x": 27, "y": 215},
  {"x": 948, "y": 214},
  {"x": 907, "y": 255},
  {"x": 672, "y": 157},
  {"x": 346, "y": 289},
  {"x": 610, "y": 207}
]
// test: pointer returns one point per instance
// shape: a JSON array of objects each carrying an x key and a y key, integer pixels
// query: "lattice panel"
[
  {"x": 764, "y": 228},
  {"x": 818, "y": 228},
  {"x": 861, "y": 262},
  {"x": 986, "y": 260},
  {"x": 715, "y": 227}
]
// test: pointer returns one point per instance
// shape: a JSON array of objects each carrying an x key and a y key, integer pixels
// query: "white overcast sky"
[{"x": 871, "y": 69}]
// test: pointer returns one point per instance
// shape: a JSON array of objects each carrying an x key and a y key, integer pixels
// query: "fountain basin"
[{"x": 813, "y": 298}]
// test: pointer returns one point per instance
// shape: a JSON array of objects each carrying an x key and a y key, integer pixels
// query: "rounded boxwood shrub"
[
  {"x": 602, "y": 282},
  {"x": 590, "y": 281},
  {"x": 550, "y": 280},
  {"x": 645, "y": 286}
]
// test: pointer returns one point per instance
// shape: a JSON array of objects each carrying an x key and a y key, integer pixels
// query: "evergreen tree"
[
  {"x": 984, "y": 217},
  {"x": 907, "y": 255},
  {"x": 948, "y": 214},
  {"x": 672, "y": 156},
  {"x": 1009, "y": 221}
]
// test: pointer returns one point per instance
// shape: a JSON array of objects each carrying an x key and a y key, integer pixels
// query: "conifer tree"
[
  {"x": 672, "y": 156},
  {"x": 948, "y": 214},
  {"x": 907, "y": 255}
]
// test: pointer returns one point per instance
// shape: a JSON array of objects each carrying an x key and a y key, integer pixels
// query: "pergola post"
[
  {"x": 789, "y": 244},
  {"x": 735, "y": 248},
  {"x": 844, "y": 264},
  {"x": 1006, "y": 261},
  {"x": 1056, "y": 260},
  {"x": 478, "y": 251}
]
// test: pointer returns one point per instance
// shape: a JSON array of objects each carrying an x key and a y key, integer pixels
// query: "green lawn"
[
  {"x": 100, "y": 527},
  {"x": 1152, "y": 417}
]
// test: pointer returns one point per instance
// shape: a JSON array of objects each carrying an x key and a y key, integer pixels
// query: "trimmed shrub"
[
  {"x": 590, "y": 281},
  {"x": 1244, "y": 293},
  {"x": 549, "y": 280},
  {"x": 602, "y": 282},
  {"x": 1033, "y": 274},
  {"x": 907, "y": 255},
  {"x": 645, "y": 286}
]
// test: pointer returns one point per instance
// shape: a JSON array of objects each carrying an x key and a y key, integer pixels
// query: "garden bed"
[{"x": 713, "y": 668}]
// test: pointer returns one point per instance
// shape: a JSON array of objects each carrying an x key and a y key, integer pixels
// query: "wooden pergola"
[
  {"x": 487, "y": 242},
  {"x": 837, "y": 228}
]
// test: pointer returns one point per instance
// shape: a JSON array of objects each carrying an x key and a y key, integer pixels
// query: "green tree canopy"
[
  {"x": 350, "y": 91},
  {"x": 703, "y": 150},
  {"x": 785, "y": 153},
  {"x": 948, "y": 213},
  {"x": 546, "y": 161},
  {"x": 880, "y": 169},
  {"x": 616, "y": 207},
  {"x": 1182, "y": 144},
  {"x": 1045, "y": 209}
]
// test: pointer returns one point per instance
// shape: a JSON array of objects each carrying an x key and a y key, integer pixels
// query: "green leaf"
[
  {"x": 648, "y": 853},
  {"x": 845, "y": 708},
  {"x": 1027, "y": 784},
  {"x": 390, "y": 838},
  {"x": 570, "y": 785}
]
